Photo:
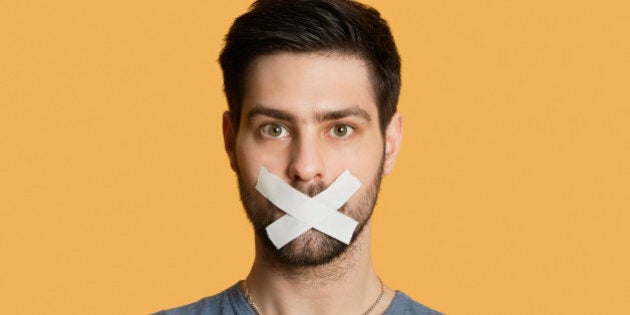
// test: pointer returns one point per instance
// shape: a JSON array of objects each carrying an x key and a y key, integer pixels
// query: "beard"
[{"x": 312, "y": 248}]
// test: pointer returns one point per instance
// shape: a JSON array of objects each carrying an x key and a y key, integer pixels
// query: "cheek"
[
  {"x": 366, "y": 168},
  {"x": 251, "y": 158},
  {"x": 365, "y": 165},
  {"x": 248, "y": 165}
]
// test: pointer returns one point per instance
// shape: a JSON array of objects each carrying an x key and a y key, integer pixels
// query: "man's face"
[{"x": 307, "y": 118}]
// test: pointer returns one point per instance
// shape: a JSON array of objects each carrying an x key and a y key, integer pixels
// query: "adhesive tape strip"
[{"x": 303, "y": 212}]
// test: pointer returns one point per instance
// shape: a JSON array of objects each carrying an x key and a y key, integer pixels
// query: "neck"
[{"x": 346, "y": 285}]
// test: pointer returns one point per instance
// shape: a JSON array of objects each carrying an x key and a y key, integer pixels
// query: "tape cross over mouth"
[{"x": 304, "y": 212}]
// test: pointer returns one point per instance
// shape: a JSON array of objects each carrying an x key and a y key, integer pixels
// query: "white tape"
[{"x": 303, "y": 212}]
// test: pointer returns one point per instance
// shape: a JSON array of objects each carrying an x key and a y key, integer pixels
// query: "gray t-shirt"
[{"x": 232, "y": 302}]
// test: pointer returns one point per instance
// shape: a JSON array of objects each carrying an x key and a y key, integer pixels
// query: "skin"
[{"x": 307, "y": 117}]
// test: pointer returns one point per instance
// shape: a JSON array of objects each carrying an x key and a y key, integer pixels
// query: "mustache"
[{"x": 310, "y": 190}]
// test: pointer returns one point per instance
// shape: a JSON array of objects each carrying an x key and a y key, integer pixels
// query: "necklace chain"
[
  {"x": 248, "y": 297},
  {"x": 251, "y": 303}
]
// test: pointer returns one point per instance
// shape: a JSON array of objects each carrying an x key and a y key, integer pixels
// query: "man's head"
[{"x": 312, "y": 92}]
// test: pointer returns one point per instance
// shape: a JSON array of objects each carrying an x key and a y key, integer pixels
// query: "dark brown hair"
[{"x": 304, "y": 26}]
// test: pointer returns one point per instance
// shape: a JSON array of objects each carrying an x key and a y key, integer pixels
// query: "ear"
[
  {"x": 229, "y": 137},
  {"x": 393, "y": 139}
]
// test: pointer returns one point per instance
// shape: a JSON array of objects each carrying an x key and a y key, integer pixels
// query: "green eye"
[
  {"x": 341, "y": 131},
  {"x": 275, "y": 130}
]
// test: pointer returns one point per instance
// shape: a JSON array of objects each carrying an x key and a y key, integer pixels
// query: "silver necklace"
[{"x": 251, "y": 303}]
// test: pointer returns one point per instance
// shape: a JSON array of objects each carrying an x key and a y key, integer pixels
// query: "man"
[{"x": 312, "y": 88}]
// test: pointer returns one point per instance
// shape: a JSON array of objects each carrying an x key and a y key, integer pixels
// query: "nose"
[{"x": 307, "y": 161}]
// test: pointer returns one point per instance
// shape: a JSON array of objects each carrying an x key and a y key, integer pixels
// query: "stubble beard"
[{"x": 313, "y": 248}]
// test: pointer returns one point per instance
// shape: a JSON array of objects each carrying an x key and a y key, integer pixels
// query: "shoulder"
[
  {"x": 228, "y": 302},
  {"x": 404, "y": 305}
]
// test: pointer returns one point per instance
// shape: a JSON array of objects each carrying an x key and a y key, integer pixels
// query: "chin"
[{"x": 312, "y": 248}]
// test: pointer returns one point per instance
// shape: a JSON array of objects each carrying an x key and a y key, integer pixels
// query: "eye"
[
  {"x": 275, "y": 130},
  {"x": 341, "y": 131}
]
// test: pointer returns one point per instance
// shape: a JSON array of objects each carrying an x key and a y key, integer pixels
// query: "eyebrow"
[
  {"x": 339, "y": 114},
  {"x": 319, "y": 116},
  {"x": 259, "y": 110}
]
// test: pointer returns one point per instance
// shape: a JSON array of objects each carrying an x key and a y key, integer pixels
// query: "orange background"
[{"x": 511, "y": 195}]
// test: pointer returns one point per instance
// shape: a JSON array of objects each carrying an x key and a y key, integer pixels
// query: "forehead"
[{"x": 303, "y": 83}]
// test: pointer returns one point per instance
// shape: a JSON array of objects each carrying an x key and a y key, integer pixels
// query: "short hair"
[{"x": 303, "y": 26}]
